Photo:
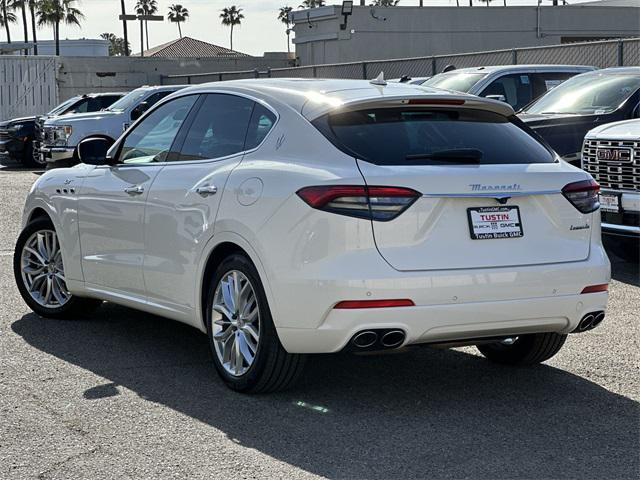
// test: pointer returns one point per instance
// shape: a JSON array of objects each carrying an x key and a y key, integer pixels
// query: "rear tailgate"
[
  {"x": 491, "y": 193},
  {"x": 437, "y": 231}
]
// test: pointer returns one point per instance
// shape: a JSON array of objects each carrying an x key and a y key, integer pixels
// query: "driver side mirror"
[
  {"x": 500, "y": 98},
  {"x": 93, "y": 151},
  {"x": 137, "y": 112}
]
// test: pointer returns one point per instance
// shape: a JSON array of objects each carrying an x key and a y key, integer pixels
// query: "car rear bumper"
[
  {"x": 449, "y": 304},
  {"x": 443, "y": 323},
  {"x": 626, "y": 231}
]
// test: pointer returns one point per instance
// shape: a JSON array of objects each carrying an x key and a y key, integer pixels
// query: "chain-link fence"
[{"x": 601, "y": 54}]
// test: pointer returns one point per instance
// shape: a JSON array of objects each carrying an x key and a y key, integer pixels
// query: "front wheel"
[
  {"x": 524, "y": 349},
  {"x": 39, "y": 273},
  {"x": 246, "y": 350}
]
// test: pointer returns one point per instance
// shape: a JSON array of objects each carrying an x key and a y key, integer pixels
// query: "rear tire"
[
  {"x": 47, "y": 297},
  {"x": 526, "y": 350},
  {"x": 267, "y": 366}
]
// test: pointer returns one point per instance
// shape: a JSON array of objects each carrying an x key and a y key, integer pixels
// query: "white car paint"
[
  {"x": 624, "y": 131},
  {"x": 150, "y": 252}
]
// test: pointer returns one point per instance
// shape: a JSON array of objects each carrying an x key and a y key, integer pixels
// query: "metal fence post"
[
  {"x": 433, "y": 65},
  {"x": 314, "y": 72},
  {"x": 620, "y": 53},
  {"x": 514, "y": 56},
  {"x": 364, "y": 71}
]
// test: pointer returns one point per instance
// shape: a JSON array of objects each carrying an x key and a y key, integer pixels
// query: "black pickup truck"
[{"x": 566, "y": 113}]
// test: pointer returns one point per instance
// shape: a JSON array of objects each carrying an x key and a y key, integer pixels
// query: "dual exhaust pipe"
[
  {"x": 378, "y": 339},
  {"x": 589, "y": 322}
]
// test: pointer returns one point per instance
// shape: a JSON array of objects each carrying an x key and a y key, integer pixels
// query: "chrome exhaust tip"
[
  {"x": 393, "y": 339},
  {"x": 365, "y": 339},
  {"x": 586, "y": 323},
  {"x": 597, "y": 320}
]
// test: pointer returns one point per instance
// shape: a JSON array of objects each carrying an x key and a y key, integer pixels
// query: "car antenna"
[{"x": 379, "y": 80}]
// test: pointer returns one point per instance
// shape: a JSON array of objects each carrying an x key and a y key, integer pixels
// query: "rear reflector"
[
  {"x": 596, "y": 288},
  {"x": 583, "y": 195},
  {"x": 361, "y": 201},
  {"x": 350, "y": 304}
]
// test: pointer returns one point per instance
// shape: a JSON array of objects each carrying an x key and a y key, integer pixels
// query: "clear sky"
[{"x": 260, "y": 31}]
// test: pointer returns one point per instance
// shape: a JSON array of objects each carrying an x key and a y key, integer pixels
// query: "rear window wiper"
[{"x": 461, "y": 155}]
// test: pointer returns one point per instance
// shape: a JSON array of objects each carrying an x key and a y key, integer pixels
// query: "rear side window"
[
  {"x": 515, "y": 89},
  {"x": 261, "y": 123},
  {"x": 219, "y": 128},
  {"x": 108, "y": 100},
  {"x": 420, "y": 136}
]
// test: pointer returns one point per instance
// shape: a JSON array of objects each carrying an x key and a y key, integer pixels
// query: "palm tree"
[
  {"x": 33, "y": 7},
  {"x": 116, "y": 44},
  {"x": 22, "y": 5},
  {"x": 283, "y": 16},
  {"x": 55, "y": 12},
  {"x": 6, "y": 17},
  {"x": 178, "y": 14},
  {"x": 231, "y": 16},
  {"x": 146, "y": 7},
  {"x": 312, "y": 4}
]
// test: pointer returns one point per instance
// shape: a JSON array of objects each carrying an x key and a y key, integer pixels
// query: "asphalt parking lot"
[{"x": 129, "y": 395}]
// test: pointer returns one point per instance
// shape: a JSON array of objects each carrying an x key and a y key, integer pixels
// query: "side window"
[
  {"x": 107, "y": 100},
  {"x": 261, "y": 123},
  {"x": 218, "y": 129},
  {"x": 81, "y": 107},
  {"x": 155, "y": 98},
  {"x": 152, "y": 138},
  {"x": 543, "y": 82},
  {"x": 515, "y": 88}
]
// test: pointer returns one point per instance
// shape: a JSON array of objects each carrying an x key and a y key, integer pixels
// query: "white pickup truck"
[
  {"x": 611, "y": 154},
  {"x": 61, "y": 136}
]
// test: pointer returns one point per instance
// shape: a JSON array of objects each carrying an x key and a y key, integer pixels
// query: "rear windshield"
[{"x": 419, "y": 136}]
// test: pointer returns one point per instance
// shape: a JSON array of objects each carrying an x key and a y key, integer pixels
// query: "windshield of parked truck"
[
  {"x": 129, "y": 100},
  {"x": 63, "y": 106},
  {"x": 458, "y": 81},
  {"x": 588, "y": 94}
]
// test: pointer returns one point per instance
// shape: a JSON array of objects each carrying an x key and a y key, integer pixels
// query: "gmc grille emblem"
[{"x": 614, "y": 154}]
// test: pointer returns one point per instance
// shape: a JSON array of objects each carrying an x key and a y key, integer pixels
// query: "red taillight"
[
  {"x": 603, "y": 287},
  {"x": 350, "y": 304},
  {"x": 361, "y": 201},
  {"x": 583, "y": 195},
  {"x": 436, "y": 101}
]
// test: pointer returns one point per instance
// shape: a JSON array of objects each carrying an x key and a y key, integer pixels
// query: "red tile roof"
[{"x": 190, "y": 47}]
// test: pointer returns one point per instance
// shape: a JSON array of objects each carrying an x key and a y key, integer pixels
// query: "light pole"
[{"x": 147, "y": 18}]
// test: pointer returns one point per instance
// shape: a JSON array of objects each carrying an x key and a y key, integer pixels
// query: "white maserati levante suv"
[{"x": 290, "y": 217}]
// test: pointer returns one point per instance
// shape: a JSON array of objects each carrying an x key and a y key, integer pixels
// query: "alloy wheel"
[
  {"x": 43, "y": 271},
  {"x": 235, "y": 323}
]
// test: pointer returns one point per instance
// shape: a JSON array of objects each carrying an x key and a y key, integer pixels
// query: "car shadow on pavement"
[{"x": 425, "y": 413}]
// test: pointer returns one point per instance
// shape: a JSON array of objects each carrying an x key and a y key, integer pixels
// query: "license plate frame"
[
  {"x": 497, "y": 229},
  {"x": 612, "y": 204}
]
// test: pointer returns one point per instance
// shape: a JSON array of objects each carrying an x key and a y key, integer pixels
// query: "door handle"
[
  {"x": 135, "y": 190},
  {"x": 207, "y": 190}
]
